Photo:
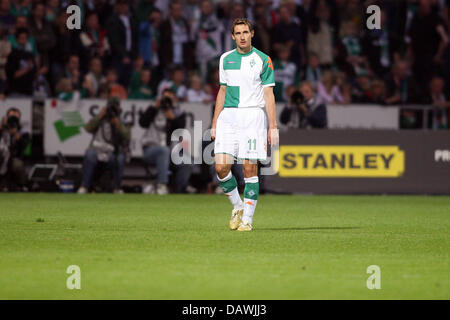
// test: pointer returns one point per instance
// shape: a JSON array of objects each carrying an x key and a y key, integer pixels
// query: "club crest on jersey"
[{"x": 252, "y": 63}]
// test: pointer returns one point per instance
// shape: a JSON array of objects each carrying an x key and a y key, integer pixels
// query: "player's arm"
[
  {"x": 218, "y": 109},
  {"x": 272, "y": 115}
]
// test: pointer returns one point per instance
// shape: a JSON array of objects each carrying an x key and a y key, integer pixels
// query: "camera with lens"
[
  {"x": 112, "y": 108},
  {"x": 13, "y": 122},
  {"x": 297, "y": 98},
  {"x": 166, "y": 104}
]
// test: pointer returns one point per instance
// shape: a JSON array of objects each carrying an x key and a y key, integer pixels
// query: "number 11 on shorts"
[{"x": 250, "y": 144}]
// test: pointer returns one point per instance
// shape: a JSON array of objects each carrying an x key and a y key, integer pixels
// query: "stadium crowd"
[{"x": 135, "y": 49}]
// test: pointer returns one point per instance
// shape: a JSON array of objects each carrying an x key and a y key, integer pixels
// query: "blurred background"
[{"x": 338, "y": 83}]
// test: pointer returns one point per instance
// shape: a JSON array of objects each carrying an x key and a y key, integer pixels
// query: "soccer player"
[{"x": 239, "y": 124}]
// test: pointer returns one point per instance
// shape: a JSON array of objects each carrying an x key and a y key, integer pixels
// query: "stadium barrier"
[
  {"x": 64, "y": 120},
  {"x": 363, "y": 162}
]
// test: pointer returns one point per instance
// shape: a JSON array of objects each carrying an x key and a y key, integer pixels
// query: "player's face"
[{"x": 243, "y": 36}]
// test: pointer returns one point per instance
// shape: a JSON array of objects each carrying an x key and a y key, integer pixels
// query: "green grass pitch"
[{"x": 179, "y": 247}]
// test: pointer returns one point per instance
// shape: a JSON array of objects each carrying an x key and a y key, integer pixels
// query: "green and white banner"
[{"x": 64, "y": 122}]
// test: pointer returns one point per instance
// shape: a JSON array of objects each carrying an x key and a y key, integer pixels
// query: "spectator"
[
  {"x": 352, "y": 10},
  {"x": 138, "y": 65},
  {"x": 401, "y": 88},
  {"x": 5, "y": 50},
  {"x": 313, "y": 71},
  {"x": 287, "y": 32},
  {"x": 65, "y": 92},
  {"x": 105, "y": 10},
  {"x": 176, "y": 49},
  {"x": 191, "y": 11},
  {"x": 304, "y": 110},
  {"x": 175, "y": 83},
  {"x": 71, "y": 71},
  {"x": 114, "y": 88},
  {"x": 52, "y": 10},
  {"x": 377, "y": 47},
  {"x": 103, "y": 91},
  {"x": 41, "y": 86},
  {"x": 265, "y": 18},
  {"x": 377, "y": 93},
  {"x": 160, "y": 121},
  {"x": 149, "y": 38},
  {"x": 22, "y": 22},
  {"x": 42, "y": 32},
  {"x": 141, "y": 89},
  {"x": 109, "y": 145},
  {"x": 94, "y": 78},
  {"x": 20, "y": 8},
  {"x": 344, "y": 87},
  {"x": 6, "y": 18},
  {"x": 320, "y": 37},
  {"x": 361, "y": 92},
  {"x": 285, "y": 73},
  {"x": 144, "y": 9},
  {"x": 328, "y": 91},
  {"x": 428, "y": 42},
  {"x": 93, "y": 38},
  {"x": 352, "y": 48},
  {"x": 13, "y": 142},
  {"x": 122, "y": 35},
  {"x": 208, "y": 31},
  {"x": 67, "y": 44},
  {"x": 214, "y": 83},
  {"x": 234, "y": 11},
  {"x": 196, "y": 93},
  {"x": 441, "y": 104},
  {"x": 21, "y": 67}
]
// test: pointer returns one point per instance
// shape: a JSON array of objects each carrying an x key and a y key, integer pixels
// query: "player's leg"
[
  {"x": 252, "y": 147},
  {"x": 225, "y": 149},
  {"x": 251, "y": 193},
  {"x": 229, "y": 186}
]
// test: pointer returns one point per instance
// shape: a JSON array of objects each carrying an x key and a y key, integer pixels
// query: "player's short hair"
[{"x": 240, "y": 21}]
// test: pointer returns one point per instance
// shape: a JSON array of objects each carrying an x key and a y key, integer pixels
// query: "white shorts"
[{"x": 242, "y": 133}]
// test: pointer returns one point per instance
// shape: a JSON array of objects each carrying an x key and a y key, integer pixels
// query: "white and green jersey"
[{"x": 245, "y": 76}]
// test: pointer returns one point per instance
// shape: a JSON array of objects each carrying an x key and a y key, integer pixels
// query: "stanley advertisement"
[{"x": 341, "y": 161}]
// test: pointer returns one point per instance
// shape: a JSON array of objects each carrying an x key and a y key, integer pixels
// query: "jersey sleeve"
[
  {"x": 267, "y": 74},
  {"x": 222, "y": 75}
]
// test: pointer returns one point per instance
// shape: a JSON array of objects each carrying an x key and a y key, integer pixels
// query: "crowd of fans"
[{"x": 135, "y": 49}]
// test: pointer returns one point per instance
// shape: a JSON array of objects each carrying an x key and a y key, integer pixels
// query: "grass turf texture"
[{"x": 179, "y": 247}]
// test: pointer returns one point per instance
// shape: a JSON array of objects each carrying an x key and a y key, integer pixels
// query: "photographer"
[
  {"x": 160, "y": 121},
  {"x": 12, "y": 146},
  {"x": 303, "y": 109},
  {"x": 109, "y": 145}
]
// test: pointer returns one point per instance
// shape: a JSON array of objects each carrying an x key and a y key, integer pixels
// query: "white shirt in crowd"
[
  {"x": 197, "y": 96},
  {"x": 126, "y": 22}
]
